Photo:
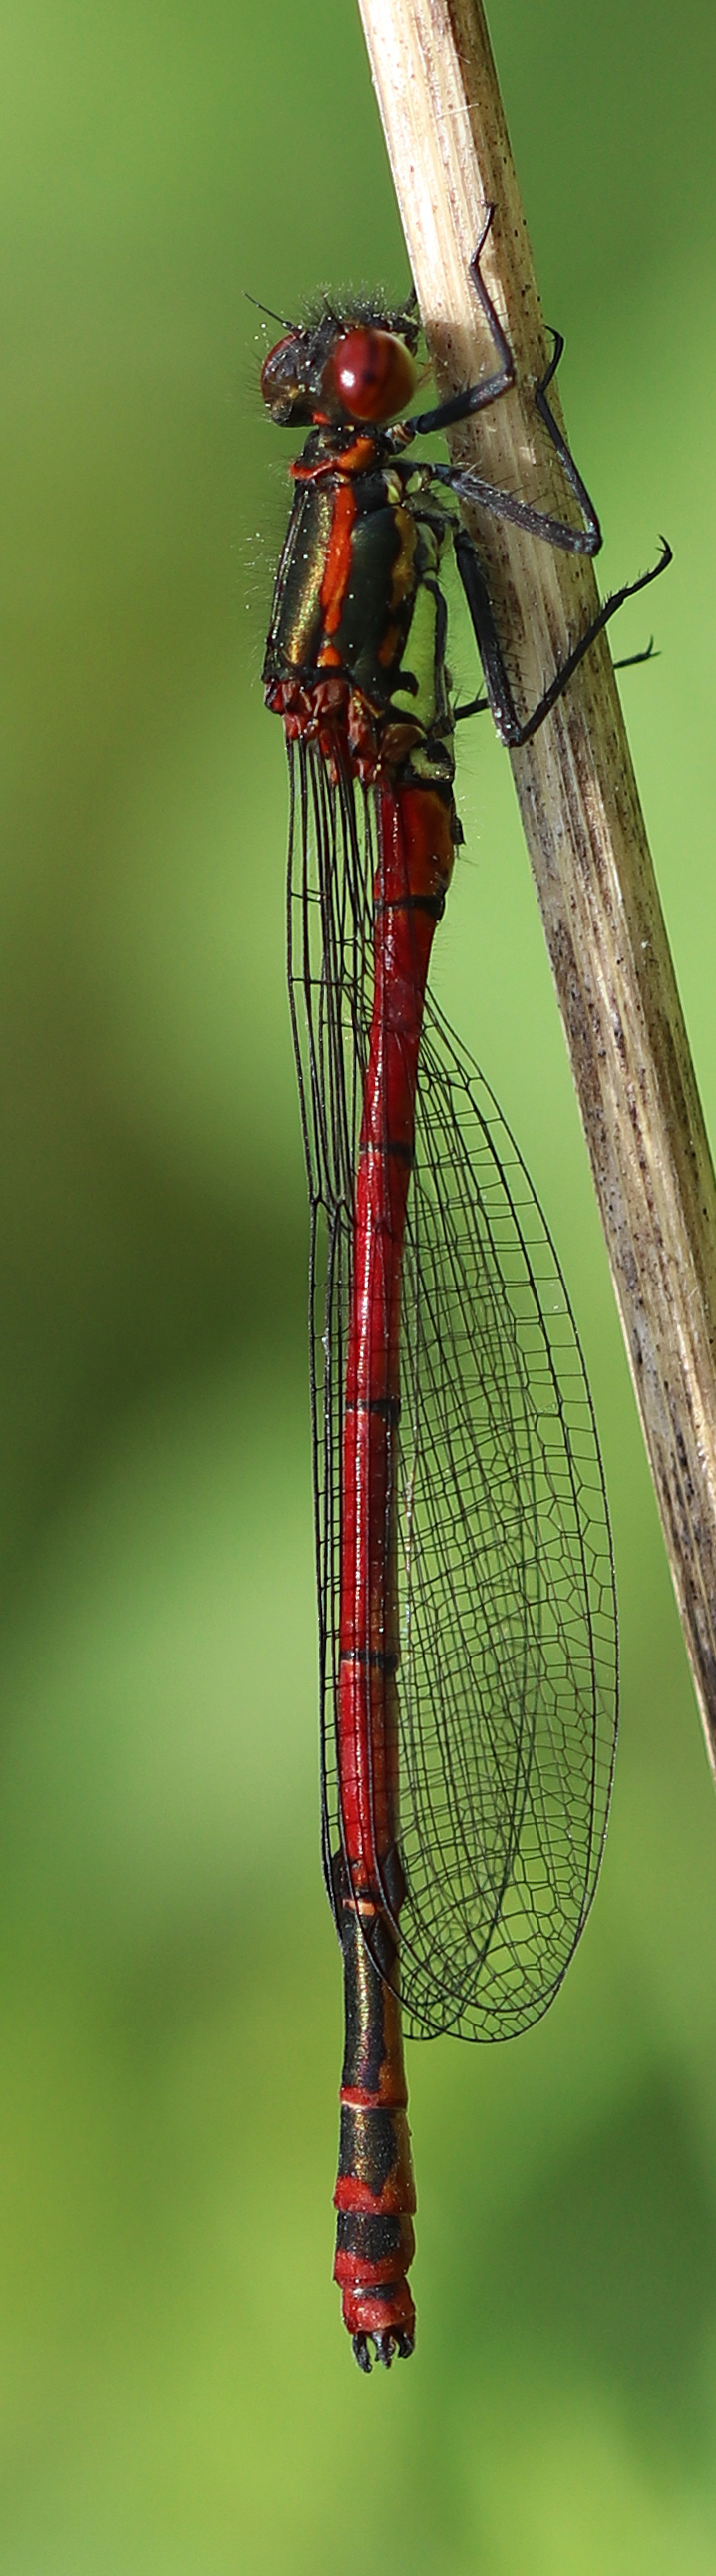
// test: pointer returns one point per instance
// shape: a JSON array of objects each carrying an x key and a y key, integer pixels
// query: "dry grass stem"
[{"x": 442, "y": 115}]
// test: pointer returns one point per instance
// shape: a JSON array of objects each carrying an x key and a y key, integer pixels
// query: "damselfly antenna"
[{"x": 268, "y": 310}]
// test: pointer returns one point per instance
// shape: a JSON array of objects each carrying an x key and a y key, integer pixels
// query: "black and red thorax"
[{"x": 356, "y": 644}]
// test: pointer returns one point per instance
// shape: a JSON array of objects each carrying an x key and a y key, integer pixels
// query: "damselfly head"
[{"x": 352, "y": 367}]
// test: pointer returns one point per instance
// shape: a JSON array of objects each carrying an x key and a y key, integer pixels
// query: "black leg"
[
  {"x": 506, "y": 505},
  {"x": 475, "y": 397},
  {"x": 475, "y": 707},
  {"x": 563, "y": 451},
  {"x": 631, "y": 660},
  {"x": 499, "y": 693},
  {"x": 511, "y": 730}
]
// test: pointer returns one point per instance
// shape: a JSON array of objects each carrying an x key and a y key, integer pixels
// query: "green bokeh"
[{"x": 177, "y": 2396}]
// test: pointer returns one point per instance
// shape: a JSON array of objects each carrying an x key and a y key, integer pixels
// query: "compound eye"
[
  {"x": 278, "y": 372},
  {"x": 370, "y": 375}
]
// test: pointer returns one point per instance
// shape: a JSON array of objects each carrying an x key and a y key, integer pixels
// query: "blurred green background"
[{"x": 178, "y": 2398}]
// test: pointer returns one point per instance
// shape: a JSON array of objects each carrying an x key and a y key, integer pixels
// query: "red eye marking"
[{"x": 370, "y": 374}]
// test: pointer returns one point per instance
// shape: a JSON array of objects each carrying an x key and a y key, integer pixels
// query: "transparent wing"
[
  {"x": 507, "y": 1680},
  {"x": 508, "y": 1660}
]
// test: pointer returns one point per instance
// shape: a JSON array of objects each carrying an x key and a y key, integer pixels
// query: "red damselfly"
[{"x": 467, "y": 1612}]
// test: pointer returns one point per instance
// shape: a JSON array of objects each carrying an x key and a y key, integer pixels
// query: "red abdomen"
[{"x": 375, "y": 2193}]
